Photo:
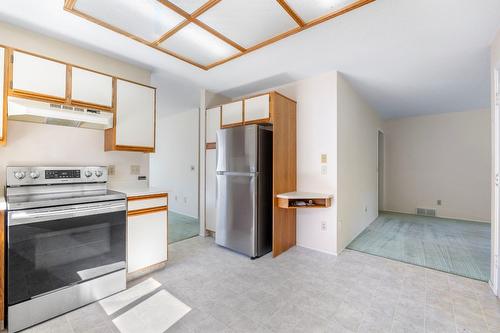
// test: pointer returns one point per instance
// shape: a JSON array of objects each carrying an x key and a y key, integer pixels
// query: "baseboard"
[
  {"x": 318, "y": 250},
  {"x": 438, "y": 216}
]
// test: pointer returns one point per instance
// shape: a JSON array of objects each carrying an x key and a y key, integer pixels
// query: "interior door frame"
[
  {"x": 380, "y": 133},
  {"x": 495, "y": 225}
]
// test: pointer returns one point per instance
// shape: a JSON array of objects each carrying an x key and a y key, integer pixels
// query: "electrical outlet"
[
  {"x": 135, "y": 169},
  {"x": 323, "y": 226},
  {"x": 324, "y": 170},
  {"x": 111, "y": 170},
  {"x": 324, "y": 158},
  {"x": 439, "y": 202}
]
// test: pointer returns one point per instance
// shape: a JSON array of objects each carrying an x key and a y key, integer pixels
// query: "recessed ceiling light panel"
[
  {"x": 189, "y": 6},
  {"x": 147, "y": 19},
  {"x": 248, "y": 22},
  {"x": 198, "y": 45},
  {"x": 312, "y": 9}
]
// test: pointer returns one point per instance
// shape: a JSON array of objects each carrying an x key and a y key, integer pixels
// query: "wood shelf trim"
[
  {"x": 146, "y": 211},
  {"x": 317, "y": 203}
]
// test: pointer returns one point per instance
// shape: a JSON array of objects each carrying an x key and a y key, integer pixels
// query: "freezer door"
[
  {"x": 237, "y": 212},
  {"x": 237, "y": 149}
]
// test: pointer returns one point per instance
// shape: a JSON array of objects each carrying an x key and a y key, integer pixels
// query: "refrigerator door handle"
[{"x": 241, "y": 174}]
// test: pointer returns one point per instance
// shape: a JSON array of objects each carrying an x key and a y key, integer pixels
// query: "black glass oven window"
[{"x": 50, "y": 255}]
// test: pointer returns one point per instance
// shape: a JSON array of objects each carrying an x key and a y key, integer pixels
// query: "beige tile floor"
[{"x": 305, "y": 291}]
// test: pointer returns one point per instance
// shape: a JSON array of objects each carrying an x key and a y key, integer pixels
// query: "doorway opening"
[{"x": 434, "y": 190}]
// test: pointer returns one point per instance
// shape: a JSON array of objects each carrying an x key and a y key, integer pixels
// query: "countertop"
[
  {"x": 3, "y": 205},
  {"x": 304, "y": 195},
  {"x": 133, "y": 190}
]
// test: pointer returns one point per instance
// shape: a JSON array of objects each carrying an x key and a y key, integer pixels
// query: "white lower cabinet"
[
  {"x": 210, "y": 189},
  {"x": 146, "y": 240}
]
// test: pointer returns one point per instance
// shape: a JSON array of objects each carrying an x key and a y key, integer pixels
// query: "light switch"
[{"x": 324, "y": 158}]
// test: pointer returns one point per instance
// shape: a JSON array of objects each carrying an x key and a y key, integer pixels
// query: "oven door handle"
[{"x": 24, "y": 217}]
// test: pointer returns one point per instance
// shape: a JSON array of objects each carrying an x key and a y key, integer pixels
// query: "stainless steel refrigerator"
[{"x": 244, "y": 189}]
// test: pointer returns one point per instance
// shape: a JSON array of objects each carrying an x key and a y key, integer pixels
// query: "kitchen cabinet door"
[
  {"x": 3, "y": 102},
  {"x": 38, "y": 76},
  {"x": 146, "y": 240},
  {"x": 232, "y": 114},
  {"x": 92, "y": 88},
  {"x": 257, "y": 109},
  {"x": 135, "y": 117},
  {"x": 212, "y": 124},
  {"x": 210, "y": 189}
]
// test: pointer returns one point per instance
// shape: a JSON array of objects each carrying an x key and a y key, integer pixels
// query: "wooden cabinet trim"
[
  {"x": 6, "y": 85},
  {"x": 148, "y": 196},
  {"x": 210, "y": 145},
  {"x": 147, "y": 211}
]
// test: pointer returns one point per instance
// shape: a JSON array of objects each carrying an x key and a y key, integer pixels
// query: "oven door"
[{"x": 56, "y": 247}]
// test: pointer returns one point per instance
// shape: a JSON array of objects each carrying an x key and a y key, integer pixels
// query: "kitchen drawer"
[{"x": 148, "y": 201}]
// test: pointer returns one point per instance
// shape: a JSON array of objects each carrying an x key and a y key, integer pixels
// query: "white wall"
[
  {"x": 316, "y": 134},
  {"x": 439, "y": 157},
  {"x": 177, "y": 143},
  {"x": 358, "y": 126},
  {"x": 35, "y": 144}
]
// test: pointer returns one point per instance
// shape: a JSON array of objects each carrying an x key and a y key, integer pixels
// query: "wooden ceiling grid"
[{"x": 69, "y": 5}]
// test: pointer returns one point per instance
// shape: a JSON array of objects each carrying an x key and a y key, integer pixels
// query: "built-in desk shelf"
[{"x": 294, "y": 200}]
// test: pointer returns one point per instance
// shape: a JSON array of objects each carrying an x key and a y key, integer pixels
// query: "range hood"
[{"x": 21, "y": 109}]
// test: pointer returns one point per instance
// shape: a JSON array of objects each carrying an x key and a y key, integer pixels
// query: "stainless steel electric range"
[{"x": 66, "y": 236}]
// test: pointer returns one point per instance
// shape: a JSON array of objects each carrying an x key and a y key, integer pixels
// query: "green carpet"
[
  {"x": 181, "y": 227},
  {"x": 452, "y": 246}
]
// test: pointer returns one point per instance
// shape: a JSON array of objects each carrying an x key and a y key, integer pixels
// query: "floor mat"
[{"x": 452, "y": 246}]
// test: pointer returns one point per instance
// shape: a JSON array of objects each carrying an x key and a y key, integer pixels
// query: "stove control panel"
[{"x": 20, "y": 176}]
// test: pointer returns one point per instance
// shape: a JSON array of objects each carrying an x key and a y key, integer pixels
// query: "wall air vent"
[{"x": 426, "y": 212}]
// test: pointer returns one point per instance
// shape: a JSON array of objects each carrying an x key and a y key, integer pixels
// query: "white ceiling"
[{"x": 406, "y": 57}]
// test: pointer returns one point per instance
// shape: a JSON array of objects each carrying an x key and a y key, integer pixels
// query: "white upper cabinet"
[
  {"x": 257, "y": 108},
  {"x": 91, "y": 87},
  {"x": 38, "y": 75},
  {"x": 135, "y": 115},
  {"x": 232, "y": 113},
  {"x": 2, "y": 75},
  {"x": 212, "y": 124}
]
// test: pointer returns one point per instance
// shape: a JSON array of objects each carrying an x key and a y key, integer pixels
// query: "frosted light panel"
[
  {"x": 248, "y": 22},
  {"x": 147, "y": 19},
  {"x": 312, "y": 9},
  {"x": 198, "y": 45},
  {"x": 189, "y": 5}
]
